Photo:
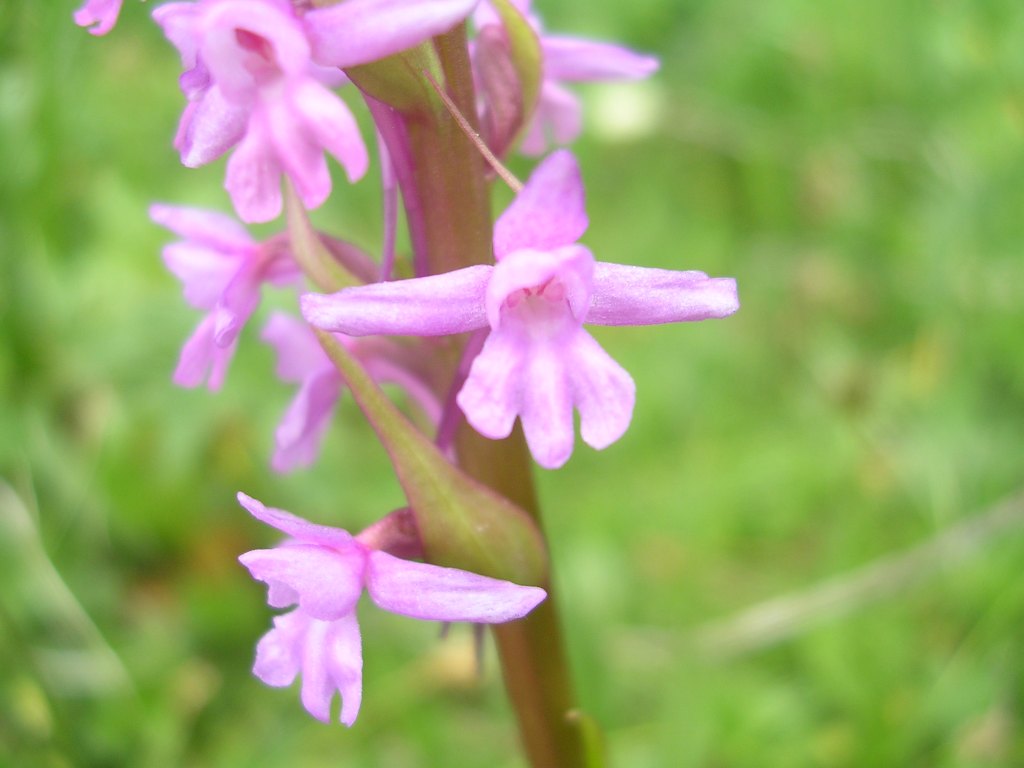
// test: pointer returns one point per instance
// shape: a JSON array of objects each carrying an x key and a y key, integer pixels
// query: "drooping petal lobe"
[
  {"x": 332, "y": 660},
  {"x": 548, "y": 212},
  {"x": 602, "y": 391},
  {"x": 491, "y": 395},
  {"x": 435, "y": 593},
  {"x": 254, "y": 177},
  {"x": 435, "y": 305},
  {"x": 360, "y": 31},
  {"x": 627, "y": 295},
  {"x": 327, "y": 654},
  {"x": 546, "y": 408}
]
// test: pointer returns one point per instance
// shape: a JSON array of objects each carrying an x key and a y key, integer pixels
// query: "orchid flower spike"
[
  {"x": 537, "y": 363},
  {"x": 252, "y": 85},
  {"x": 222, "y": 270},
  {"x": 324, "y": 571},
  {"x": 99, "y": 16}
]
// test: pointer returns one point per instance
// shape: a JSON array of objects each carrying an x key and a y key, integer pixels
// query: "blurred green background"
[{"x": 796, "y": 557}]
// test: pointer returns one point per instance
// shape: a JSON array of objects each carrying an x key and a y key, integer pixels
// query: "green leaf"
[{"x": 462, "y": 523}]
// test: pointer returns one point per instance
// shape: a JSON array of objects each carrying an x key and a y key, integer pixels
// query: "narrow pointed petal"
[
  {"x": 576, "y": 59},
  {"x": 434, "y": 593},
  {"x": 295, "y": 526},
  {"x": 361, "y": 31},
  {"x": 627, "y": 295},
  {"x": 254, "y": 178},
  {"x": 548, "y": 212},
  {"x": 604, "y": 393},
  {"x": 328, "y": 581},
  {"x": 332, "y": 660},
  {"x": 492, "y": 393},
  {"x": 436, "y": 305}
]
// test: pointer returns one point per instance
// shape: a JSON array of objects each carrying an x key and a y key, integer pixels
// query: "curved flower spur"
[{"x": 537, "y": 363}]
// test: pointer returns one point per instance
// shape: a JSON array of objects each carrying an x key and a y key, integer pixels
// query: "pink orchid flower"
[
  {"x": 253, "y": 86},
  {"x": 537, "y": 363},
  {"x": 99, "y": 16},
  {"x": 558, "y": 115},
  {"x": 222, "y": 270},
  {"x": 301, "y": 360},
  {"x": 324, "y": 570}
]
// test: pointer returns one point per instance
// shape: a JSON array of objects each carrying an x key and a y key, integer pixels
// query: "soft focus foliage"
[{"x": 857, "y": 165}]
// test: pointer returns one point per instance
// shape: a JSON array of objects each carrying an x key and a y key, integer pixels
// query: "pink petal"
[
  {"x": 295, "y": 526},
  {"x": 491, "y": 396},
  {"x": 254, "y": 177},
  {"x": 327, "y": 581},
  {"x": 361, "y": 31},
  {"x": 179, "y": 22},
  {"x": 239, "y": 300},
  {"x": 205, "y": 272},
  {"x": 546, "y": 409},
  {"x": 279, "y": 652},
  {"x": 301, "y": 431},
  {"x": 434, "y": 593},
  {"x": 571, "y": 58},
  {"x": 328, "y": 654},
  {"x": 299, "y": 354},
  {"x": 202, "y": 360},
  {"x": 330, "y": 125},
  {"x": 436, "y": 305},
  {"x": 210, "y": 126},
  {"x": 101, "y": 15},
  {"x": 558, "y": 119},
  {"x": 548, "y": 212},
  {"x": 212, "y": 229},
  {"x": 627, "y": 295},
  {"x": 299, "y": 157},
  {"x": 602, "y": 391},
  {"x": 332, "y": 659}
]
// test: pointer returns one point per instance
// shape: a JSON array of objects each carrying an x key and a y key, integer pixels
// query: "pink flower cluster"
[{"x": 258, "y": 79}]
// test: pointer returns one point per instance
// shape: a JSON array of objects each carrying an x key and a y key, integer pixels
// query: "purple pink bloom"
[
  {"x": 222, "y": 270},
  {"x": 99, "y": 16},
  {"x": 537, "y": 363},
  {"x": 324, "y": 571}
]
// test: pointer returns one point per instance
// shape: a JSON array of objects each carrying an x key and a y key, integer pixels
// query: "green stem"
[{"x": 455, "y": 198}]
